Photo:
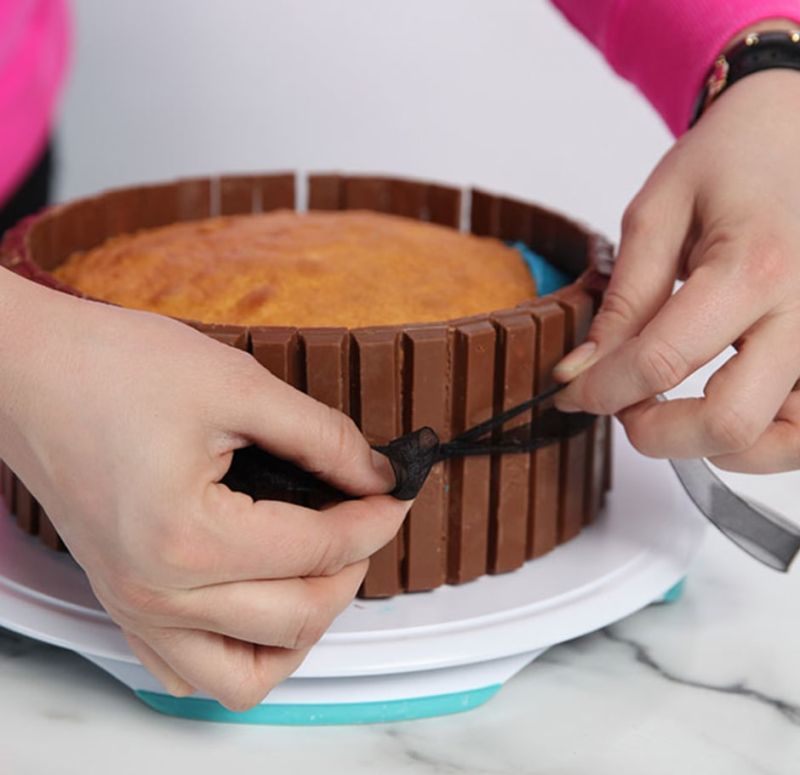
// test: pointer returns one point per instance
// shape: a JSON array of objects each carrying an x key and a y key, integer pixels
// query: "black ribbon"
[
  {"x": 760, "y": 532},
  {"x": 412, "y": 456}
]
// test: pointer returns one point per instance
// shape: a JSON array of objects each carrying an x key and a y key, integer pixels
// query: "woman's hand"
[
  {"x": 122, "y": 423},
  {"x": 722, "y": 211}
]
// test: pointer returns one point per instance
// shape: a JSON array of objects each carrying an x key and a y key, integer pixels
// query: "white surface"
[
  {"x": 640, "y": 546},
  {"x": 708, "y": 685}
]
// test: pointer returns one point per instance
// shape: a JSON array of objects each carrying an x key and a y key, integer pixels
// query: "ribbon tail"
[{"x": 759, "y": 531}]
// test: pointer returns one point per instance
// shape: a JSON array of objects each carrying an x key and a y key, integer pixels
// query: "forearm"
[
  {"x": 29, "y": 323},
  {"x": 12, "y": 327},
  {"x": 666, "y": 47}
]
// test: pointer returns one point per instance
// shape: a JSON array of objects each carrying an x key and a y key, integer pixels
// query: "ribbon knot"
[{"x": 765, "y": 535}]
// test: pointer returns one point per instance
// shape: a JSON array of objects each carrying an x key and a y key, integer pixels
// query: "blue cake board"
[{"x": 322, "y": 714}]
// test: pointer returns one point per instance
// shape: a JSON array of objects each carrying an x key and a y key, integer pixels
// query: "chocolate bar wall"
[{"x": 474, "y": 515}]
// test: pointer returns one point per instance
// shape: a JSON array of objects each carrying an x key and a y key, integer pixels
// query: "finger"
[
  {"x": 169, "y": 679},
  {"x": 697, "y": 323},
  {"x": 741, "y": 400},
  {"x": 239, "y": 675},
  {"x": 289, "y": 613},
  {"x": 315, "y": 437},
  {"x": 654, "y": 231},
  {"x": 776, "y": 450},
  {"x": 235, "y": 539}
]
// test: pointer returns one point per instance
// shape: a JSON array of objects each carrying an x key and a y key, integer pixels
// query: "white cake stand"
[{"x": 417, "y": 655}]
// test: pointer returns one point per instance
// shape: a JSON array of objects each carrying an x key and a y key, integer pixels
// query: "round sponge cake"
[{"x": 349, "y": 268}]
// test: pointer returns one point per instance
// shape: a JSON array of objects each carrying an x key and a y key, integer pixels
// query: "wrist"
[{"x": 770, "y": 45}]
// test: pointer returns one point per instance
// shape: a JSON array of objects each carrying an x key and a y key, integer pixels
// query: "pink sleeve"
[
  {"x": 666, "y": 47},
  {"x": 34, "y": 38}
]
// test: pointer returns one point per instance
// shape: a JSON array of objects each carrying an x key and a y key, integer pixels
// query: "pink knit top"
[
  {"x": 666, "y": 47},
  {"x": 663, "y": 46},
  {"x": 33, "y": 58}
]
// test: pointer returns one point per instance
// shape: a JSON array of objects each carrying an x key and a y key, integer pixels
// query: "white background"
[{"x": 500, "y": 93}]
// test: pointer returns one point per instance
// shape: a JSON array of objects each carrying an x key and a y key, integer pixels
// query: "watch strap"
[{"x": 758, "y": 51}]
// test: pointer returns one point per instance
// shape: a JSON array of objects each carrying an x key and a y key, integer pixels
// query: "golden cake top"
[{"x": 347, "y": 268}]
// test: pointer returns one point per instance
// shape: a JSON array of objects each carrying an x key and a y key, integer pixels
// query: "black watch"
[{"x": 758, "y": 51}]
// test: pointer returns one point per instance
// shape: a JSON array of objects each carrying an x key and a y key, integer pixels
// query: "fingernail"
[
  {"x": 572, "y": 365},
  {"x": 384, "y": 468},
  {"x": 565, "y": 404}
]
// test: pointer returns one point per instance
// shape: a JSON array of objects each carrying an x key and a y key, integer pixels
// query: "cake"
[
  {"x": 284, "y": 268},
  {"x": 449, "y": 358}
]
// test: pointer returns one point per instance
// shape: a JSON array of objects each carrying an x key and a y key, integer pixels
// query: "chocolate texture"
[
  {"x": 575, "y": 460},
  {"x": 479, "y": 513},
  {"x": 377, "y": 412},
  {"x": 426, "y": 392}
]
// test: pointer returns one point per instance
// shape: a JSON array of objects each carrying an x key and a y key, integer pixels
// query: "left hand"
[{"x": 722, "y": 212}]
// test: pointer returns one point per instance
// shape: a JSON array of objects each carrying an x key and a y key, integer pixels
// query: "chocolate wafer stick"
[
  {"x": 426, "y": 363},
  {"x": 579, "y": 307},
  {"x": 375, "y": 356},
  {"x": 510, "y": 480}
]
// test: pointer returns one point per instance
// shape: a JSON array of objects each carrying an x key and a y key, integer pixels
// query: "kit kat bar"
[
  {"x": 10, "y": 486},
  {"x": 408, "y": 198},
  {"x": 326, "y": 362},
  {"x": 426, "y": 404},
  {"x": 39, "y": 241},
  {"x": 47, "y": 533},
  {"x": 608, "y": 461},
  {"x": 158, "y": 205},
  {"x": 325, "y": 192},
  {"x": 193, "y": 199},
  {"x": 516, "y": 219},
  {"x": 278, "y": 350},
  {"x": 26, "y": 509},
  {"x": 510, "y": 480},
  {"x": 599, "y": 433},
  {"x": 326, "y": 353},
  {"x": 578, "y": 307},
  {"x": 366, "y": 193},
  {"x": 275, "y": 192},
  {"x": 9, "y": 481},
  {"x": 236, "y": 194},
  {"x": 444, "y": 205},
  {"x": 376, "y": 371},
  {"x": 80, "y": 226},
  {"x": 473, "y": 400},
  {"x": 235, "y": 336},
  {"x": 601, "y": 257},
  {"x": 545, "y": 462},
  {"x": 484, "y": 214}
]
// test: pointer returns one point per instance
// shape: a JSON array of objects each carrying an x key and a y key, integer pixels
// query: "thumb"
[
  {"x": 313, "y": 436},
  {"x": 654, "y": 231}
]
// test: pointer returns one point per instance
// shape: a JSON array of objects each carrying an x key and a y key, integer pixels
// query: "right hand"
[{"x": 122, "y": 424}]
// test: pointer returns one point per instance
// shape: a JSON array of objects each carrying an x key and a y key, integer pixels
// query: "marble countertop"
[{"x": 709, "y": 684}]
